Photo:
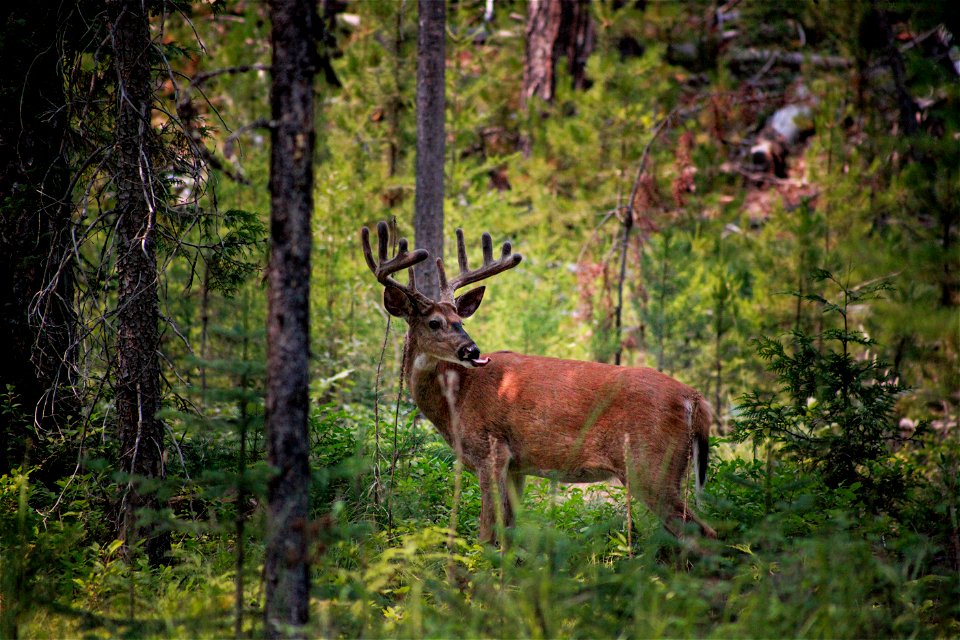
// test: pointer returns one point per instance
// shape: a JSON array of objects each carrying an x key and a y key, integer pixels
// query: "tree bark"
[
  {"x": 138, "y": 339},
  {"x": 288, "y": 346},
  {"x": 37, "y": 318},
  {"x": 556, "y": 28},
  {"x": 431, "y": 139},
  {"x": 543, "y": 29}
]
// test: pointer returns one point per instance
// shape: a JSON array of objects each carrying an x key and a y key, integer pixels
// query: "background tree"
[
  {"x": 139, "y": 198},
  {"x": 288, "y": 329},
  {"x": 556, "y": 28},
  {"x": 543, "y": 29},
  {"x": 431, "y": 140},
  {"x": 37, "y": 318}
]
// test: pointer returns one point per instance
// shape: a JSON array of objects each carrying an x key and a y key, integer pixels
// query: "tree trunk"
[
  {"x": 288, "y": 346},
  {"x": 543, "y": 29},
  {"x": 576, "y": 41},
  {"x": 138, "y": 338},
  {"x": 431, "y": 132},
  {"x": 555, "y": 28},
  {"x": 37, "y": 319}
]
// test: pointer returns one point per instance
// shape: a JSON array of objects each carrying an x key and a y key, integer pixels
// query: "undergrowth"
[{"x": 794, "y": 558}]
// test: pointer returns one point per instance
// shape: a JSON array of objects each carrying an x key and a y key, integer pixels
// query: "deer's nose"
[{"x": 468, "y": 351}]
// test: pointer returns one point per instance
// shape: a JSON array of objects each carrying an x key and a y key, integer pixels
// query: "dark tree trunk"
[
  {"x": 288, "y": 346},
  {"x": 556, "y": 28},
  {"x": 576, "y": 41},
  {"x": 431, "y": 132},
  {"x": 36, "y": 328},
  {"x": 138, "y": 339}
]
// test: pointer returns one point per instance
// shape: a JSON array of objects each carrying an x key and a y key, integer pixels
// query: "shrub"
[{"x": 834, "y": 413}]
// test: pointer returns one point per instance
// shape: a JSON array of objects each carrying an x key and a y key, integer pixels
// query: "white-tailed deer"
[{"x": 510, "y": 415}]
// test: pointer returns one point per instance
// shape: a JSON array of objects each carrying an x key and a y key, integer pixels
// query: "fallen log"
[{"x": 789, "y": 58}]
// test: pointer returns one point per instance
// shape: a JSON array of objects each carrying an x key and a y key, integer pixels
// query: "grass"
[{"x": 795, "y": 569}]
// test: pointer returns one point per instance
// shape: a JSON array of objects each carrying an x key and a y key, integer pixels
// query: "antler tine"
[
  {"x": 384, "y": 268},
  {"x": 441, "y": 274},
  {"x": 367, "y": 252},
  {"x": 490, "y": 267},
  {"x": 487, "y": 242},
  {"x": 383, "y": 237}
]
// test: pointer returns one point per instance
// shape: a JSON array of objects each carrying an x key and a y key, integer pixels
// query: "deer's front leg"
[
  {"x": 487, "y": 511},
  {"x": 494, "y": 492}
]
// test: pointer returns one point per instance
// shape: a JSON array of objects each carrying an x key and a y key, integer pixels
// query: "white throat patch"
[{"x": 421, "y": 362}]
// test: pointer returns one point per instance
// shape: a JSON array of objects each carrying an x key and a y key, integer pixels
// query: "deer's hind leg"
[
  {"x": 660, "y": 487},
  {"x": 675, "y": 505},
  {"x": 680, "y": 512},
  {"x": 672, "y": 506}
]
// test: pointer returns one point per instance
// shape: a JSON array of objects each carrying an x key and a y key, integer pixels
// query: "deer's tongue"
[{"x": 479, "y": 362}]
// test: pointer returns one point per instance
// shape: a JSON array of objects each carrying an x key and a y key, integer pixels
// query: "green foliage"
[
  {"x": 568, "y": 570},
  {"x": 233, "y": 259},
  {"x": 836, "y": 416}
]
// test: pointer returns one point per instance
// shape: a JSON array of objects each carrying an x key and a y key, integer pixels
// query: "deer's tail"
[{"x": 700, "y": 420}]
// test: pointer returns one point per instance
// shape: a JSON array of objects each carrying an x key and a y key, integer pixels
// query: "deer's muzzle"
[{"x": 470, "y": 355}]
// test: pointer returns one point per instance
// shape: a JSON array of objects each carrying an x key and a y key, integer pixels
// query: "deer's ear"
[
  {"x": 468, "y": 303},
  {"x": 397, "y": 303}
]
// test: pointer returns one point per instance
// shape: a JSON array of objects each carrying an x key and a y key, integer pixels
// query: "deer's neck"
[{"x": 423, "y": 377}]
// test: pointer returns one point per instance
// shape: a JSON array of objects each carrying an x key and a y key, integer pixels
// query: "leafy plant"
[{"x": 834, "y": 413}]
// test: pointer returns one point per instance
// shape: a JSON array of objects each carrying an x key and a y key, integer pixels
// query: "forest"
[{"x": 211, "y": 420}]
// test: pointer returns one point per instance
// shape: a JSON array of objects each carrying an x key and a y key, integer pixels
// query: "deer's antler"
[
  {"x": 491, "y": 267},
  {"x": 384, "y": 268}
]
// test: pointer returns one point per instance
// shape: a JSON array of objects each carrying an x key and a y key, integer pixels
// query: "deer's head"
[{"x": 436, "y": 326}]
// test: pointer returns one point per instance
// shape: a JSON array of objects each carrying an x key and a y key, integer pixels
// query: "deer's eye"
[{"x": 434, "y": 324}]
